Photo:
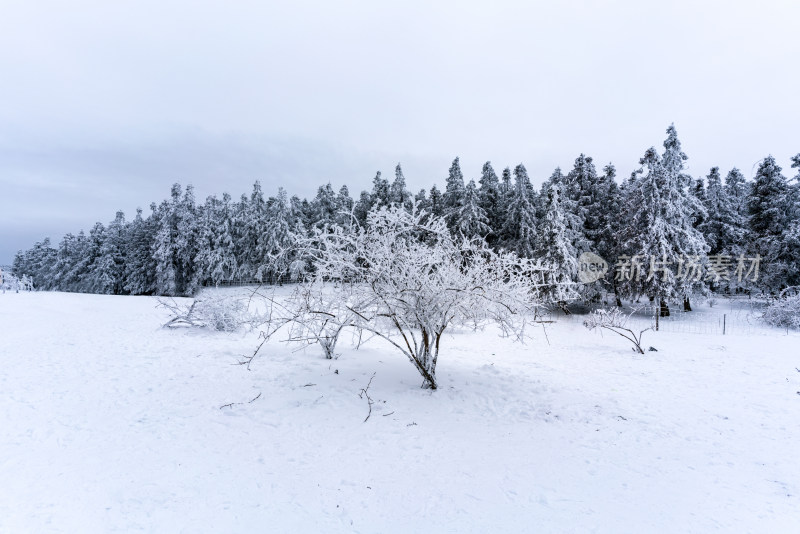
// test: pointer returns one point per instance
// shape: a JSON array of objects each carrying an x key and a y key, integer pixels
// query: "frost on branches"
[
  {"x": 406, "y": 279},
  {"x": 785, "y": 310}
]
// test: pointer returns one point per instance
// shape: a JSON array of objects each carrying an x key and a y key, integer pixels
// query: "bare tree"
[{"x": 616, "y": 321}]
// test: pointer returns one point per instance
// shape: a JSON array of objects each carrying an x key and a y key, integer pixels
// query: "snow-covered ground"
[{"x": 109, "y": 423}]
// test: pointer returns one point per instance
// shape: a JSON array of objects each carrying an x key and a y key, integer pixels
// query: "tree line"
[{"x": 665, "y": 234}]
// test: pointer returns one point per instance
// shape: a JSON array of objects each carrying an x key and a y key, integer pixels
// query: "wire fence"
[
  {"x": 268, "y": 281},
  {"x": 720, "y": 316}
]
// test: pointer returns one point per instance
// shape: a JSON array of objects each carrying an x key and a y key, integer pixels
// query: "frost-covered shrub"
[
  {"x": 407, "y": 279},
  {"x": 615, "y": 321},
  {"x": 221, "y": 313},
  {"x": 784, "y": 312}
]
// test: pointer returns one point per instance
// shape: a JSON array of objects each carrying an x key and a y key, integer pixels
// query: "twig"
[
  {"x": 232, "y": 404},
  {"x": 364, "y": 393}
]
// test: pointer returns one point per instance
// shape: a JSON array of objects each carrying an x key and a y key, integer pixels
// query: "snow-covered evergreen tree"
[
  {"x": 344, "y": 207},
  {"x": 472, "y": 220},
  {"x": 422, "y": 202},
  {"x": 769, "y": 207},
  {"x": 555, "y": 249},
  {"x": 578, "y": 191},
  {"x": 580, "y": 187},
  {"x": 660, "y": 232},
  {"x": 107, "y": 273},
  {"x": 67, "y": 258},
  {"x": 283, "y": 223},
  {"x": 737, "y": 189},
  {"x": 216, "y": 259},
  {"x": 37, "y": 264},
  {"x": 324, "y": 207},
  {"x": 519, "y": 231},
  {"x": 381, "y": 191},
  {"x": 250, "y": 228},
  {"x": 140, "y": 265},
  {"x": 453, "y": 198},
  {"x": 603, "y": 216},
  {"x": 362, "y": 208},
  {"x": 490, "y": 199},
  {"x": 723, "y": 226},
  {"x": 436, "y": 202},
  {"x": 506, "y": 185},
  {"x": 398, "y": 194},
  {"x": 175, "y": 244},
  {"x": 698, "y": 189}
]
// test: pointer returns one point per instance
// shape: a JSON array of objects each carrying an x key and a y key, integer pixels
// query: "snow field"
[{"x": 109, "y": 423}]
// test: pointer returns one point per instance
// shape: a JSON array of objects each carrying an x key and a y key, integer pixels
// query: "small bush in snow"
[
  {"x": 784, "y": 311},
  {"x": 615, "y": 321},
  {"x": 224, "y": 314}
]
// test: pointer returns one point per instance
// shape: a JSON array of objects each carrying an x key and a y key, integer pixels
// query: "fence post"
[{"x": 724, "y": 316}]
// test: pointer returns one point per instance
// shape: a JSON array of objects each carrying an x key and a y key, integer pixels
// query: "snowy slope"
[{"x": 109, "y": 423}]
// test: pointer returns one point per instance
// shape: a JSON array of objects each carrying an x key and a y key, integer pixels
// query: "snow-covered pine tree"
[
  {"x": 216, "y": 258},
  {"x": 660, "y": 231},
  {"x": 723, "y": 226},
  {"x": 603, "y": 215},
  {"x": 362, "y": 208},
  {"x": 519, "y": 230},
  {"x": 344, "y": 207},
  {"x": 603, "y": 222},
  {"x": 250, "y": 232},
  {"x": 472, "y": 220},
  {"x": 84, "y": 258},
  {"x": 282, "y": 223},
  {"x": 579, "y": 192},
  {"x": 66, "y": 259},
  {"x": 175, "y": 244},
  {"x": 422, "y": 202},
  {"x": 453, "y": 198},
  {"x": 324, "y": 207},
  {"x": 673, "y": 160},
  {"x": 36, "y": 263},
  {"x": 506, "y": 185},
  {"x": 108, "y": 270},
  {"x": 381, "y": 195},
  {"x": 555, "y": 249},
  {"x": 303, "y": 220},
  {"x": 186, "y": 243},
  {"x": 398, "y": 194},
  {"x": 769, "y": 207},
  {"x": 698, "y": 189},
  {"x": 580, "y": 187},
  {"x": 436, "y": 202},
  {"x": 140, "y": 265},
  {"x": 737, "y": 189},
  {"x": 491, "y": 201},
  {"x": 164, "y": 246},
  {"x": 792, "y": 239},
  {"x": 97, "y": 236}
]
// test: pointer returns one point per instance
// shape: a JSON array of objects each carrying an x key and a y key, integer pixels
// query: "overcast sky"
[{"x": 104, "y": 104}]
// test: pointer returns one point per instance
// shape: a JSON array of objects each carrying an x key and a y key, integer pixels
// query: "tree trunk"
[
  {"x": 426, "y": 365},
  {"x": 664, "y": 312},
  {"x": 687, "y": 306}
]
